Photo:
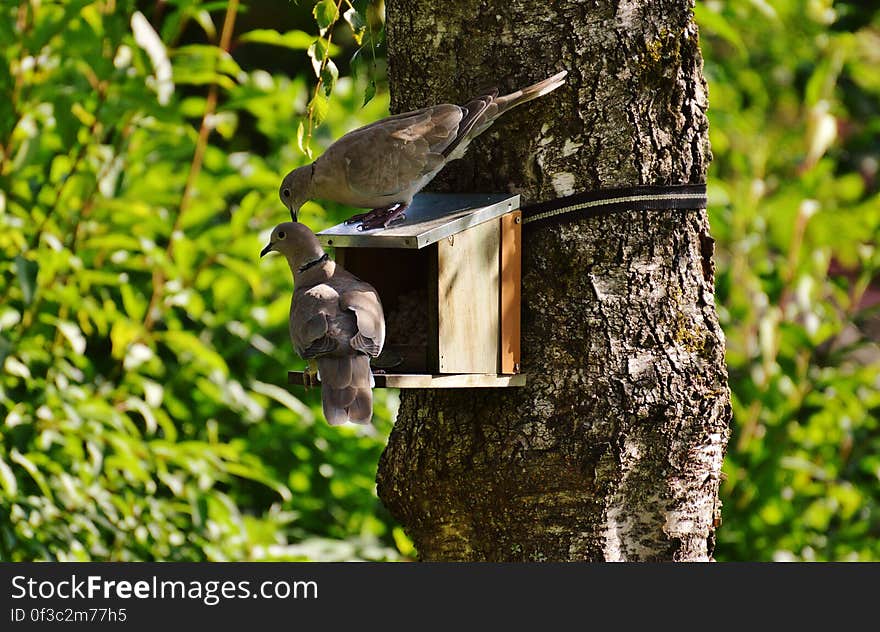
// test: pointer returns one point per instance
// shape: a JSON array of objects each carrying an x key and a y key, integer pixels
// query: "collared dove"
[
  {"x": 336, "y": 323},
  {"x": 383, "y": 165}
]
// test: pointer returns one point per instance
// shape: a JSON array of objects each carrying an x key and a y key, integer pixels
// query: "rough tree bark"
[{"x": 613, "y": 451}]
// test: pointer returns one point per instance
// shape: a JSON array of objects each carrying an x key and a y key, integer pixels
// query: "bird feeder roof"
[{"x": 430, "y": 218}]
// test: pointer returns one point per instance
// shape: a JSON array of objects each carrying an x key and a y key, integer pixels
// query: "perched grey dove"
[
  {"x": 383, "y": 165},
  {"x": 336, "y": 323}
]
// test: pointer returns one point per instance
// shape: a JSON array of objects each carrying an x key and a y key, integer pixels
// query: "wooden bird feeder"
[{"x": 449, "y": 280}]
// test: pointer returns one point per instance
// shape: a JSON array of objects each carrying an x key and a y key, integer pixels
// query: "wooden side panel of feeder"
[
  {"x": 467, "y": 300},
  {"x": 511, "y": 273}
]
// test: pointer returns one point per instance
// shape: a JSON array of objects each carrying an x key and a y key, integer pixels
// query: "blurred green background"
[{"x": 143, "y": 407}]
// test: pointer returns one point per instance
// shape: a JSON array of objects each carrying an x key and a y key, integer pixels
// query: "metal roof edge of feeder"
[{"x": 430, "y": 218}]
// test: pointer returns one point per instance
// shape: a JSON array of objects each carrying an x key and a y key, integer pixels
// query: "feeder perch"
[{"x": 449, "y": 280}]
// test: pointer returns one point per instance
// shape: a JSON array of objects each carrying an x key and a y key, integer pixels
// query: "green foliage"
[
  {"x": 794, "y": 103},
  {"x": 144, "y": 411},
  {"x": 327, "y": 14}
]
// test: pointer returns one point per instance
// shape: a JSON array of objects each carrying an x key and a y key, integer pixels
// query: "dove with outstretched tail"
[
  {"x": 383, "y": 165},
  {"x": 336, "y": 323}
]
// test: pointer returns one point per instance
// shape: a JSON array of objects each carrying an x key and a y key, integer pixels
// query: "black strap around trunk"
[{"x": 605, "y": 201}]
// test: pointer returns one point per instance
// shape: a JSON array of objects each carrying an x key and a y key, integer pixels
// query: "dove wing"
[
  {"x": 311, "y": 314},
  {"x": 392, "y": 155},
  {"x": 370, "y": 335}
]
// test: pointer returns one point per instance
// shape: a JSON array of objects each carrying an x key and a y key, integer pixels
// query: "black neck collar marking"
[{"x": 314, "y": 262}]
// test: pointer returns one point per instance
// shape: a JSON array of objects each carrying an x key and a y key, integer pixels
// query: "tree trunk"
[{"x": 613, "y": 450}]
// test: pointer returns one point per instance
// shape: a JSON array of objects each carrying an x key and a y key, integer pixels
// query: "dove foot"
[
  {"x": 379, "y": 217},
  {"x": 310, "y": 375}
]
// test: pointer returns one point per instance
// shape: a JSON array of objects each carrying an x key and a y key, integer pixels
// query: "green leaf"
[
  {"x": 317, "y": 52},
  {"x": 245, "y": 269},
  {"x": 821, "y": 83},
  {"x": 369, "y": 92},
  {"x": 329, "y": 75},
  {"x": 33, "y": 470},
  {"x": 7, "y": 480},
  {"x": 204, "y": 20},
  {"x": 73, "y": 334},
  {"x": 284, "y": 397},
  {"x": 357, "y": 22},
  {"x": 318, "y": 107},
  {"x": 404, "y": 544},
  {"x": 189, "y": 348},
  {"x": 122, "y": 334},
  {"x": 186, "y": 76},
  {"x": 49, "y": 27},
  {"x": 258, "y": 476},
  {"x": 326, "y": 14},
  {"x": 354, "y": 62},
  {"x": 300, "y": 135},
  {"x": 297, "y": 40},
  {"x": 5, "y": 348},
  {"x": 361, "y": 5},
  {"x": 148, "y": 40},
  {"x": 135, "y": 305},
  {"x": 199, "y": 64},
  {"x": 204, "y": 57},
  {"x": 27, "y": 277}
]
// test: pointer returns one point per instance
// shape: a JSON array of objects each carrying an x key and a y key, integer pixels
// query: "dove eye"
[
  {"x": 286, "y": 193},
  {"x": 281, "y": 234}
]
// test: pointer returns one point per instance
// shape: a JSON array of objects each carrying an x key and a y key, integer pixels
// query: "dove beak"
[{"x": 266, "y": 250}]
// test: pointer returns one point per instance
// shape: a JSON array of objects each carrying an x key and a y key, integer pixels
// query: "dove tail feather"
[
  {"x": 346, "y": 389},
  {"x": 525, "y": 95},
  {"x": 482, "y": 112}
]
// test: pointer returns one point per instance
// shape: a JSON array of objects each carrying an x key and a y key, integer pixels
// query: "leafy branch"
[
  {"x": 195, "y": 168},
  {"x": 327, "y": 14}
]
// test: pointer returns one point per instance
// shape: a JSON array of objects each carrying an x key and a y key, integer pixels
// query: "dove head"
[
  {"x": 296, "y": 188},
  {"x": 297, "y": 243}
]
